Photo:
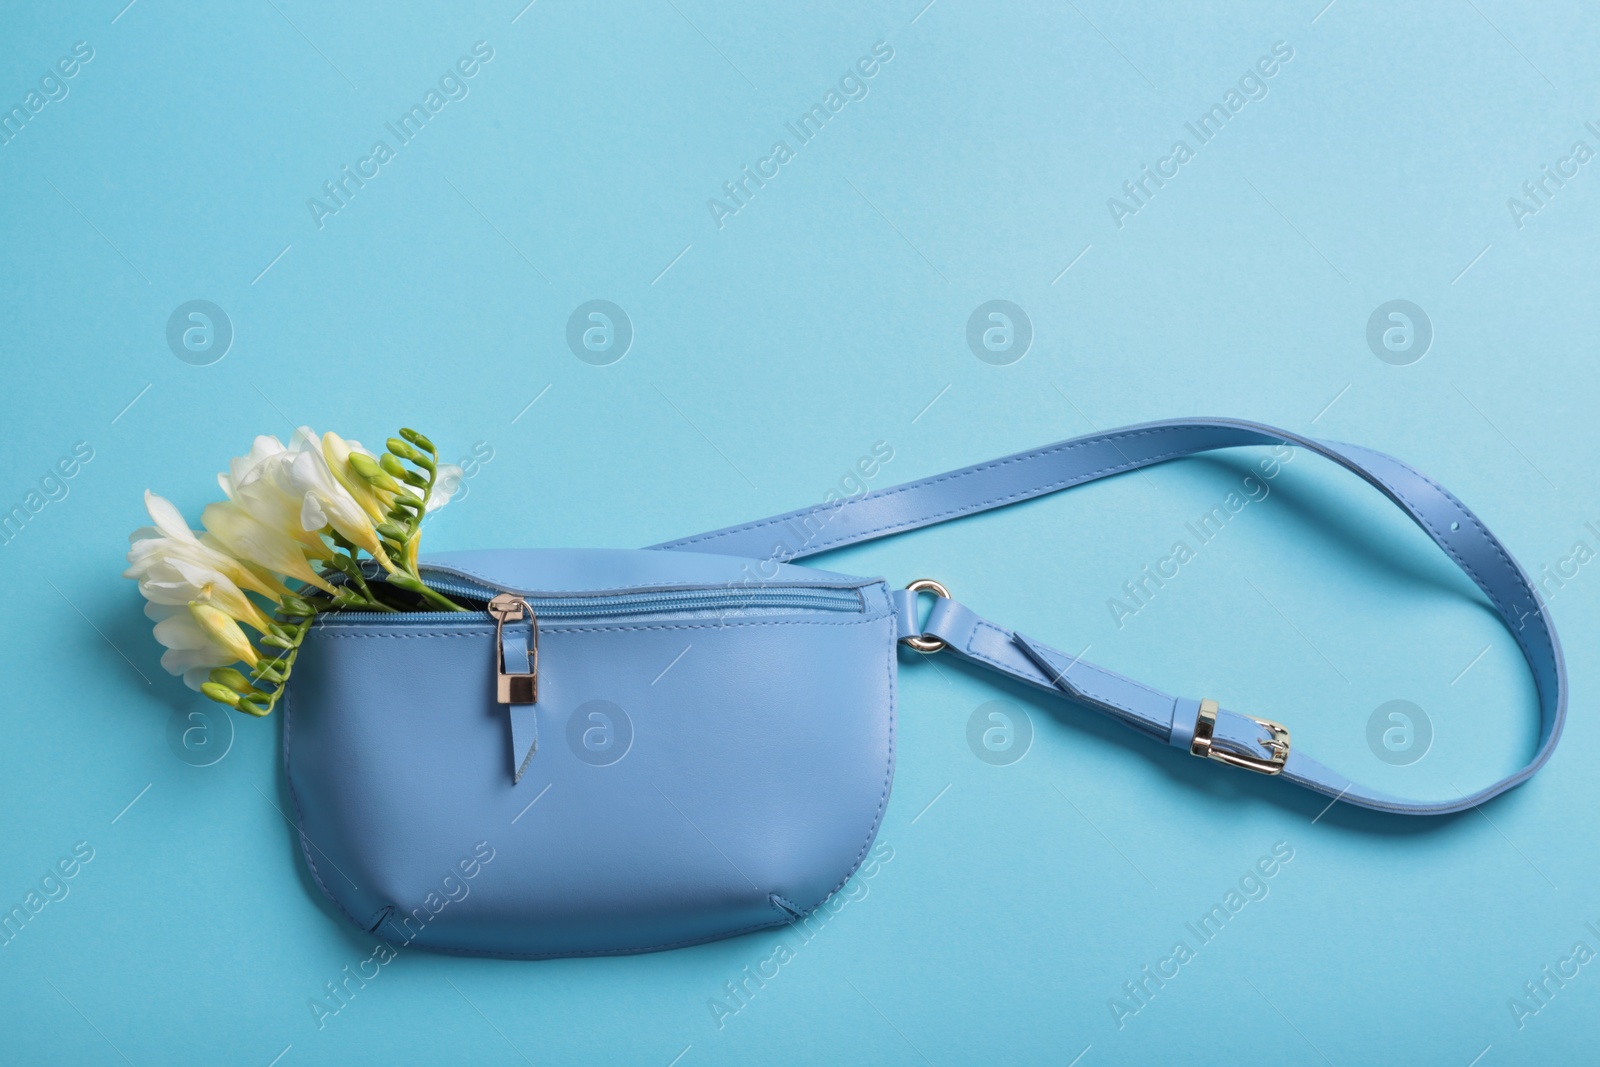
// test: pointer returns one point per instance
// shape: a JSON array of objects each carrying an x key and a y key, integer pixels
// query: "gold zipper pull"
[{"x": 514, "y": 687}]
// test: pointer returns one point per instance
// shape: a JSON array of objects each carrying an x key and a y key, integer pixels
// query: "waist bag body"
[{"x": 632, "y": 750}]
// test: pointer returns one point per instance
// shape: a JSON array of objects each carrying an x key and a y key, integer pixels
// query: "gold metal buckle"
[
  {"x": 1205, "y": 725},
  {"x": 924, "y": 643}
]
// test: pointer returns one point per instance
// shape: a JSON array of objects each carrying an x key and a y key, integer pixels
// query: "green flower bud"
[
  {"x": 392, "y": 465},
  {"x": 417, "y": 439},
  {"x": 266, "y": 670},
  {"x": 294, "y": 607},
  {"x": 368, "y": 470},
  {"x": 406, "y": 582},
  {"x": 220, "y": 693},
  {"x": 401, "y": 449},
  {"x": 344, "y": 565},
  {"x": 255, "y": 705},
  {"x": 232, "y": 679}
]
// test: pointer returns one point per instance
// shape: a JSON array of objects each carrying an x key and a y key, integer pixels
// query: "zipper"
[
  {"x": 515, "y": 649},
  {"x": 611, "y": 605},
  {"x": 515, "y": 687}
]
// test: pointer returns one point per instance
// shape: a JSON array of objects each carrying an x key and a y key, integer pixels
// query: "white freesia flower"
[
  {"x": 173, "y": 567},
  {"x": 191, "y": 652},
  {"x": 266, "y": 519},
  {"x": 176, "y": 581},
  {"x": 336, "y": 453},
  {"x": 377, "y": 502},
  {"x": 247, "y": 537},
  {"x": 291, "y": 512},
  {"x": 260, "y": 484},
  {"x": 260, "y": 520},
  {"x": 171, "y": 538},
  {"x": 326, "y": 502},
  {"x": 240, "y": 468},
  {"x": 446, "y": 483},
  {"x": 223, "y": 632}
]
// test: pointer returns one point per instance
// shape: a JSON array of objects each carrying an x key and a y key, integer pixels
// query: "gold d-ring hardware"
[
  {"x": 1205, "y": 725},
  {"x": 924, "y": 643}
]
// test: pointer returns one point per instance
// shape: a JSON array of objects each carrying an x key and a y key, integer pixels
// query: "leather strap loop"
[{"x": 1027, "y": 475}]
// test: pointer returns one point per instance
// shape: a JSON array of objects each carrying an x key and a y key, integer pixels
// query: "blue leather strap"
[{"x": 1026, "y": 475}]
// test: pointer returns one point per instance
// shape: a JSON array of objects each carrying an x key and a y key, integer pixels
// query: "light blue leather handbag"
[{"x": 627, "y": 751}]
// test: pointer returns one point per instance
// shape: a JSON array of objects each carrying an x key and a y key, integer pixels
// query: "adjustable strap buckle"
[{"x": 1205, "y": 725}]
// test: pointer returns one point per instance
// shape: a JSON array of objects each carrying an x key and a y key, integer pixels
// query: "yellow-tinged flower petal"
[
  {"x": 248, "y": 538},
  {"x": 251, "y": 575},
  {"x": 336, "y": 453},
  {"x": 224, "y": 632},
  {"x": 193, "y": 664},
  {"x": 183, "y": 633},
  {"x": 274, "y": 502},
  {"x": 325, "y": 502},
  {"x": 174, "y": 580},
  {"x": 171, "y": 537}
]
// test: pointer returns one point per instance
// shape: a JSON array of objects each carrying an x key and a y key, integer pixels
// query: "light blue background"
[{"x": 770, "y": 354}]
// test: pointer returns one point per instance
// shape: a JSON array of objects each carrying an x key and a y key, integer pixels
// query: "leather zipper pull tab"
[
  {"x": 514, "y": 687},
  {"x": 514, "y": 649}
]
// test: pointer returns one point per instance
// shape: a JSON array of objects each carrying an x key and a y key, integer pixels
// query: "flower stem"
[
  {"x": 434, "y": 597},
  {"x": 411, "y": 516}
]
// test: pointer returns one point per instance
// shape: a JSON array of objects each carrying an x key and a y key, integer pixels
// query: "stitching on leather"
[
  {"x": 468, "y": 572},
  {"x": 604, "y": 628},
  {"x": 1097, "y": 697},
  {"x": 888, "y": 774},
  {"x": 1332, "y": 451},
  {"x": 1327, "y": 451},
  {"x": 1021, "y": 494},
  {"x": 299, "y": 813},
  {"x": 1541, "y": 636},
  {"x": 872, "y": 831},
  {"x": 1494, "y": 545},
  {"x": 785, "y": 905},
  {"x": 587, "y": 952},
  {"x": 1093, "y": 694},
  {"x": 1519, "y": 634},
  {"x": 887, "y": 493},
  {"x": 1163, "y": 428},
  {"x": 316, "y": 875},
  {"x": 925, "y": 483}
]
